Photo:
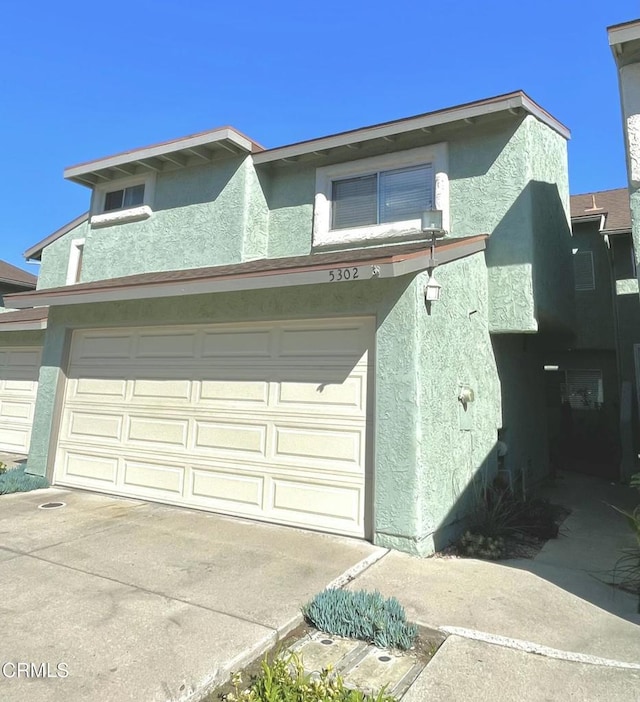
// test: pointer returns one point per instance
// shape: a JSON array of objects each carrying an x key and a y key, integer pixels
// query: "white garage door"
[
  {"x": 19, "y": 368},
  {"x": 265, "y": 420}
]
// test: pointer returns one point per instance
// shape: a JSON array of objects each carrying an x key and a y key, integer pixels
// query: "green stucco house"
[{"x": 333, "y": 334}]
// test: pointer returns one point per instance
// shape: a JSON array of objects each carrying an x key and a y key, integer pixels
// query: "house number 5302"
[{"x": 343, "y": 274}]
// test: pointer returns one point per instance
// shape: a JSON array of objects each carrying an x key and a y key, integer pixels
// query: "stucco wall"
[
  {"x": 548, "y": 192},
  {"x": 205, "y": 215},
  {"x": 457, "y": 446}
]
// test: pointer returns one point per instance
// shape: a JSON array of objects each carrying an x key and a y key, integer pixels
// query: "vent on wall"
[{"x": 583, "y": 273}]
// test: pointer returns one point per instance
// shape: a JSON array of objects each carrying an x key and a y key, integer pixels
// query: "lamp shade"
[
  {"x": 431, "y": 221},
  {"x": 432, "y": 290}
]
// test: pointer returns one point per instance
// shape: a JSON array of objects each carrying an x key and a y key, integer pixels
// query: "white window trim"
[
  {"x": 75, "y": 254},
  {"x": 323, "y": 235},
  {"x": 100, "y": 218}
]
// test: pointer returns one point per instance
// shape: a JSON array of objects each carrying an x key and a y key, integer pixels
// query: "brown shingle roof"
[
  {"x": 16, "y": 276},
  {"x": 36, "y": 314},
  {"x": 613, "y": 204},
  {"x": 179, "y": 279}
]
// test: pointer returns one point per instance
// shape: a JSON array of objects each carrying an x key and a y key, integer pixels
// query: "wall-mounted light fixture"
[
  {"x": 432, "y": 289},
  {"x": 431, "y": 224},
  {"x": 431, "y": 221}
]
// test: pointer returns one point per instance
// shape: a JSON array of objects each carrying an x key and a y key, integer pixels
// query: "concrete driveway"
[{"x": 117, "y": 599}]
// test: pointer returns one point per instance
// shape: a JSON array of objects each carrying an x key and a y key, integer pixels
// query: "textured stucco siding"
[
  {"x": 548, "y": 191},
  {"x": 202, "y": 216},
  {"x": 458, "y": 446},
  {"x": 488, "y": 181},
  {"x": 290, "y": 197}
]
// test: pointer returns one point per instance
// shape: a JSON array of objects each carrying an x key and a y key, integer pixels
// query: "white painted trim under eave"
[
  {"x": 36, "y": 325},
  {"x": 365, "y": 271}
]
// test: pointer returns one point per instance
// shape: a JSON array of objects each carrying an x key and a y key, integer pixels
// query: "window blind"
[{"x": 583, "y": 389}]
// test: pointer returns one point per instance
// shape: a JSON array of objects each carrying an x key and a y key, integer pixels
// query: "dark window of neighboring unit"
[{"x": 583, "y": 273}]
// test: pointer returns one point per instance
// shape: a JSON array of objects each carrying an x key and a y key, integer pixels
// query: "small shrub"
[
  {"x": 16, "y": 480},
  {"x": 361, "y": 615},
  {"x": 3, "y": 468},
  {"x": 500, "y": 513},
  {"x": 479, "y": 546},
  {"x": 284, "y": 680}
]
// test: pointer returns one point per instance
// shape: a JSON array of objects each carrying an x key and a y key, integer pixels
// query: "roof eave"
[
  {"x": 198, "y": 148},
  {"x": 511, "y": 102},
  {"x": 311, "y": 275}
]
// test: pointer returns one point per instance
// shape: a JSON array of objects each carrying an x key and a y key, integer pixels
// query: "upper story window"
[
  {"x": 388, "y": 196},
  {"x": 121, "y": 201},
  {"x": 126, "y": 197},
  {"x": 583, "y": 272},
  {"x": 379, "y": 198}
]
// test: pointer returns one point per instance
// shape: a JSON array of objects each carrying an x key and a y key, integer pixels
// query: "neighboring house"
[
  {"x": 13, "y": 280},
  {"x": 21, "y": 337},
  {"x": 245, "y": 330},
  {"x": 591, "y": 380}
]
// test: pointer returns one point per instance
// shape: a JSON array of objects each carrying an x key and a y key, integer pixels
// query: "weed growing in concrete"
[
  {"x": 284, "y": 680},
  {"x": 363, "y": 615}
]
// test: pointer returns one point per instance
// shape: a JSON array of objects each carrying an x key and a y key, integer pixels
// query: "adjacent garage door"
[
  {"x": 267, "y": 421},
  {"x": 19, "y": 368}
]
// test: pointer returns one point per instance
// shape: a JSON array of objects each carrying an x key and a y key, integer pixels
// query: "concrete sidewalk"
[
  {"x": 528, "y": 630},
  {"x": 146, "y": 602}
]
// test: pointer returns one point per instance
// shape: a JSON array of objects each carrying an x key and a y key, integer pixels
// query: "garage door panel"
[
  {"x": 14, "y": 409},
  {"x": 267, "y": 420},
  {"x": 102, "y": 346},
  {"x": 90, "y": 426},
  {"x": 233, "y": 343},
  {"x": 14, "y": 438},
  {"x": 225, "y": 437},
  {"x": 327, "y": 503},
  {"x": 86, "y": 469},
  {"x": 328, "y": 446},
  {"x": 22, "y": 358},
  {"x": 326, "y": 396},
  {"x": 227, "y": 391},
  {"x": 156, "y": 432},
  {"x": 174, "y": 345},
  {"x": 96, "y": 389},
  {"x": 19, "y": 369},
  {"x": 338, "y": 339},
  {"x": 162, "y": 390},
  {"x": 153, "y": 477},
  {"x": 228, "y": 491}
]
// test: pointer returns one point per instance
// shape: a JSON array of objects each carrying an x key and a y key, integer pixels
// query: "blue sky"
[{"x": 84, "y": 80}]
